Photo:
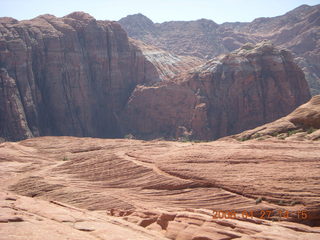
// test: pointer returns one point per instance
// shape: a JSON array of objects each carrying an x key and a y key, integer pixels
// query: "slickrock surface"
[
  {"x": 163, "y": 188},
  {"x": 25, "y": 218},
  {"x": 66, "y": 76},
  {"x": 297, "y": 30},
  {"x": 244, "y": 89},
  {"x": 303, "y": 123}
]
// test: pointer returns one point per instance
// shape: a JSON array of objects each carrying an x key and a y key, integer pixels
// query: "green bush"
[
  {"x": 291, "y": 132},
  {"x": 311, "y": 130},
  {"x": 245, "y": 138},
  {"x": 129, "y": 136},
  {"x": 259, "y": 200}
]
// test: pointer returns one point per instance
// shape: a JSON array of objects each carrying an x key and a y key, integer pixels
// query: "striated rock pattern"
[
  {"x": 34, "y": 219},
  {"x": 131, "y": 189},
  {"x": 239, "y": 91},
  {"x": 168, "y": 65},
  {"x": 297, "y": 30},
  {"x": 197, "y": 38},
  {"x": 66, "y": 76}
]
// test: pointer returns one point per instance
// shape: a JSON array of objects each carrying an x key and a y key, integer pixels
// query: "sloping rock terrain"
[
  {"x": 251, "y": 86},
  {"x": 66, "y": 76},
  {"x": 303, "y": 123},
  {"x": 87, "y": 188},
  {"x": 297, "y": 30}
]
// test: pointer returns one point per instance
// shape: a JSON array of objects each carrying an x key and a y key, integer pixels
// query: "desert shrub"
[
  {"x": 184, "y": 138},
  {"x": 244, "y": 138},
  {"x": 257, "y": 135},
  {"x": 311, "y": 130},
  {"x": 293, "y": 203},
  {"x": 274, "y": 134},
  {"x": 291, "y": 132},
  {"x": 282, "y": 136},
  {"x": 259, "y": 200},
  {"x": 129, "y": 136}
]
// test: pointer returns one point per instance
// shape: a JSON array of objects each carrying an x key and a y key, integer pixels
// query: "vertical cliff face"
[
  {"x": 244, "y": 89},
  {"x": 251, "y": 86},
  {"x": 66, "y": 76}
]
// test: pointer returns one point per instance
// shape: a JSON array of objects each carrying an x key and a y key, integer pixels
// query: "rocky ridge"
[
  {"x": 297, "y": 30},
  {"x": 251, "y": 86}
]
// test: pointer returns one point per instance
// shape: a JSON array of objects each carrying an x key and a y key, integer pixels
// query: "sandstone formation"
[
  {"x": 82, "y": 77},
  {"x": 251, "y": 86},
  {"x": 196, "y": 38},
  {"x": 86, "y": 188},
  {"x": 168, "y": 65},
  {"x": 297, "y": 30},
  {"x": 302, "y": 124},
  {"x": 66, "y": 76},
  {"x": 34, "y": 219}
]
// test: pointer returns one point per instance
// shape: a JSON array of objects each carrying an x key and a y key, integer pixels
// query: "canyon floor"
[{"x": 87, "y": 188}]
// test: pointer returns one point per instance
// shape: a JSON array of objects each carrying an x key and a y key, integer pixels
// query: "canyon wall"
[
  {"x": 241, "y": 90},
  {"x": 81, "y": 77},
  {"x": 66, "y": 76}
]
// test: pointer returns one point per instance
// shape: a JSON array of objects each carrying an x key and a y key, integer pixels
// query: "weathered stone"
[
  {"x": 241, "y": 90},
  {"x": 66, "y": 76}
]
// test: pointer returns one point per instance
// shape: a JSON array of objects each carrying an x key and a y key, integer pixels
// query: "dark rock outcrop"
[
  {"x": 241, "y": 90},
  {"x": 66, "y": 76}
]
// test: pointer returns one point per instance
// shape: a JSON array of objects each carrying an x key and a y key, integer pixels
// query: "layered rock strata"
[{"x": 251, "y": 86}]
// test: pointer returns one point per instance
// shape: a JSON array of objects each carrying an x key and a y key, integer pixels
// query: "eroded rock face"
[
  {"x": 12, "y": 116},
  {"x": 168, "y": 65},
  {"x": 244, "y": 89},
  {"x": 66, "y": 76},
  {"x": 200, "y": 38},
  {"x": 297, "y": 30},
  {"x": 81, "y": 77}
]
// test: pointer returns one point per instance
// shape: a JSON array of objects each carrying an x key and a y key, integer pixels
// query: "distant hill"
[{"x": 297, "y": 30}]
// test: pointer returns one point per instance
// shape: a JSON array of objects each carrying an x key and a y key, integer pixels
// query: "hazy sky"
[{"x": 157, "y": 10}]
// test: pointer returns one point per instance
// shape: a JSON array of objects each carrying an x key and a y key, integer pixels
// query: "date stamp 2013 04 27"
[{"x": 261, "y": 214}]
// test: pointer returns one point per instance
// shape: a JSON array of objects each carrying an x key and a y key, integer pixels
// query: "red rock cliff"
[
  {"x": 244, "y": 89},
  {"x": 66, "y": 76}
]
